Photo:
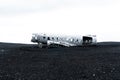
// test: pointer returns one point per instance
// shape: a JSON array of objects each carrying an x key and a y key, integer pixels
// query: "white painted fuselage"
[{"x": 48, "y": 39}]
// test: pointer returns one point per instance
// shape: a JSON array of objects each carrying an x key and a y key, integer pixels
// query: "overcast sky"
[{"x": 20, "y": 18}]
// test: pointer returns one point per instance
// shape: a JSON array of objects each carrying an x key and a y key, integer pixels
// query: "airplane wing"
[{"x": 60, "y": 43}]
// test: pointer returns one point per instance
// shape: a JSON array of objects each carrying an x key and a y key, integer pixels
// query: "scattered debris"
[
  {"x": 2, "y": 50},
  {"x": 93, "y": 75}
]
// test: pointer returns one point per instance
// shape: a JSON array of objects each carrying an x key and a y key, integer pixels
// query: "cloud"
[
  {"x": 103, "y": 22},
  {"x": 99, "y": 17},
  {"x": 23, "y": 6}
]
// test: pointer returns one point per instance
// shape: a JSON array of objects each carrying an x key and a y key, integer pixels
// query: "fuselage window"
[
  {"x": 67, "y": 39},
  {"x": 57, "y": 38},
  {"x": 52, "y": 38},
  {"x": 48, "y": 38},
  {"x": 77, "y": 40},
  {"x": 71, "y": 40},
  {"x": 43, "y": 37}
]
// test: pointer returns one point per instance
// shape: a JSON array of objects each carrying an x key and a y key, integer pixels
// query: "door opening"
[{"x": 87, "y": 40}]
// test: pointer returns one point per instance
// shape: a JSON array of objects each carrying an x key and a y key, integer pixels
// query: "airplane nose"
[{"x": 34, "y": 38}]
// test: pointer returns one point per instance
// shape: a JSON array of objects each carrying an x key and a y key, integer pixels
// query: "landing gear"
[{"x": 40, "y": 45}]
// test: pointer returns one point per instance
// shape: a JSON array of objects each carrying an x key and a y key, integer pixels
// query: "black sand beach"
[{"x": 28, "y": 62}]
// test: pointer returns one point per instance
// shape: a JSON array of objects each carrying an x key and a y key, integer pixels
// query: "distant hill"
[
  {"x": 109, "y": 43},
  {"x": 13, "y": 45}
]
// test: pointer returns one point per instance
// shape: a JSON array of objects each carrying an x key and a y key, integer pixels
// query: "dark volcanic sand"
[{"x": 27, "y": 62}]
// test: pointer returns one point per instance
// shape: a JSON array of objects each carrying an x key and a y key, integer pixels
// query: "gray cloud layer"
[{"x": 34, "y": 5}]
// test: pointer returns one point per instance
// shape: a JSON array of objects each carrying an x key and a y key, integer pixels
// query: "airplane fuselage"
[{"x": 47, "y": 39}]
